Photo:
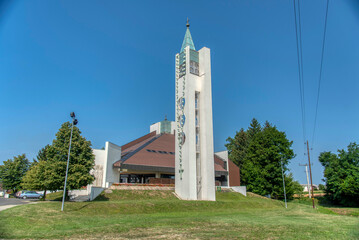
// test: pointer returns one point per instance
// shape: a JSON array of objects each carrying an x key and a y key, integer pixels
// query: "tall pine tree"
[
  {"x": 82, "y": 160},
  {"x": 258, "y": 152}
]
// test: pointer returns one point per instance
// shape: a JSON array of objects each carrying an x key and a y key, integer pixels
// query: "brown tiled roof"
[
  {"x": 218, "y": 160},
  {"x": 156, "y": 151},
  {"x": 219, "y": 168},
  {"x": 134, "y": 145},
  {"x": 138, "y": 141},
  {"x": 165, "y": 142}
]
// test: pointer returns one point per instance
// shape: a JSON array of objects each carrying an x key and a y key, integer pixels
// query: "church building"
[
  {"x": 150, "y": 159},
  {"x": 176, "y": 152}
]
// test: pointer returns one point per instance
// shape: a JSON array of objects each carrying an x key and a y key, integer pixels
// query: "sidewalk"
[{"x": 6, "y": 203}]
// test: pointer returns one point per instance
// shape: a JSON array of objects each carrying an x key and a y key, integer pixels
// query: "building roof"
[
  {"x": 187, "y": 41},
  {"x": 156, "y": 152},
  {"x": 135, "y": 144}
]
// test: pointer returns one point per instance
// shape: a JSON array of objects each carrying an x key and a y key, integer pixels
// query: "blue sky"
[{"x": 113, "y": 63}]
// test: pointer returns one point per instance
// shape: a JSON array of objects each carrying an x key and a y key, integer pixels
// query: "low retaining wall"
[
  {"x": 94, "y": 192},
  {"x": 240, "y": 189},
  {"x": 78, "y": 192},
  {"x": 141, "y": 187},
  {"x": 161, "y": 181}
]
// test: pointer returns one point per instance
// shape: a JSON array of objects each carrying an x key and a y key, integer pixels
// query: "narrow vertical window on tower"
[
  {"x": 197, "y": 121},
  {"x": 194, "y": 62},
  {"x": 198, "y": 146},
  {"x": 182, "y": 64}
]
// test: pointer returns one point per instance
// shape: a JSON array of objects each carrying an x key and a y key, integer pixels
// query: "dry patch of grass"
[
  {"x": 139, "y": 233},
  {"x": 346, "y": 211}
]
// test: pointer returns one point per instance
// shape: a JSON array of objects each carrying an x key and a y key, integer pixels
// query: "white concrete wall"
[
  {"x": 186, "y": 188},
  {"x": 94, "y": 192},
  {"x": 206, "y": 126},
  {"x": 100, "y": 156},
  {"x": 100, "y": 159},
  {"x": 240, "y": 189},
  {"x": 155, "y": 127},
  {"x": 104, "y": 160},
  {"x": 78, "y": 192},
  {"x": 113, "y": 154},
  {"x": 223, "y": 155},
  {"x": 173, "y": 127}
]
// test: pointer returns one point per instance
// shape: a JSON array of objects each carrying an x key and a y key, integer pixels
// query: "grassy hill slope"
[{"x": 160, "y": 215}]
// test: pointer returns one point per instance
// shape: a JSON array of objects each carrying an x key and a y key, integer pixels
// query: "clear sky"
[{"x": 113, "y": 63}]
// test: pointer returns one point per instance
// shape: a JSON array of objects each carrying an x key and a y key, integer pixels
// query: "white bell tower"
[{"x": 195, "y": 179}]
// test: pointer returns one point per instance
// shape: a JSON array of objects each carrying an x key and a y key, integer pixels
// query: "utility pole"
[
  {"x": 310, "y": 171},
  {"x": 306, "y": 172}
]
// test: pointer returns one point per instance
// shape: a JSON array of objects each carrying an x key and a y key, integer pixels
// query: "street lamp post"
[
  {"x": 74, "y": 122},
  {"x": 285, "y": 195}
]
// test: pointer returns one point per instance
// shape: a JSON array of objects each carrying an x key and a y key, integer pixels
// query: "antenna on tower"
[{"x": 187, "y": 23}]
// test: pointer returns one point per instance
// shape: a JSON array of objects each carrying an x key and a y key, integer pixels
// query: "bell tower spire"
[{"x": 187, "y": 41}]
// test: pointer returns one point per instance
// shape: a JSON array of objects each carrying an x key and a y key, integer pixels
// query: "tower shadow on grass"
[{"x": 80, "y": 208}]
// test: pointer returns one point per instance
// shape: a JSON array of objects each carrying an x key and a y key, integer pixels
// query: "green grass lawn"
[
  {"x": 55, "y": 196},
  {"x": 324, "y": 205},
  {"x": 159, "y": 215}
]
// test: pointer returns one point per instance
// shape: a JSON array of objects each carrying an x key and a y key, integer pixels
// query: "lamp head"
[{"x": 72, "y": 114}]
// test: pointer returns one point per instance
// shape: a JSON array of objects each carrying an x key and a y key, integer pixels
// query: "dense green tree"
[
  {"x": 12, "y": 172},
  {"x": 292, "y": 187},
  {"x": 237, "y": 147},
  {"x": 259, "y": 153},
  {"x": 36, "y": 178},
  {"x": 341, "y": 172},
  {"x": 82, "y": 160},
  {"x": 321, "y": 187}
]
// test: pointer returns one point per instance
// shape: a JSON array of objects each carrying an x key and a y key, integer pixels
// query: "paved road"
[{"x": 6, "y": 203}]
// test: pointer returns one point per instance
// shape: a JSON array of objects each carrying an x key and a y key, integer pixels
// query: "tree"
[
  {"x": 292, "y": 187},
  {"x": 12, "y": 172},
  {"x": 259, "y": 152},
  {"x": 321, "y": 187},
  {"x": 36, "y": 178},
  {"x": 341, "y": 172},
  {"x": 82, "y": 160}
]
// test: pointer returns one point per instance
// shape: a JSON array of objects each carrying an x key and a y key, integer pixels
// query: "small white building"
[{"x": 305, "y": 187}]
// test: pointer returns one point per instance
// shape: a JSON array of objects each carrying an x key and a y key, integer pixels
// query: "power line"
[
  {"x": 298, "y": 33},
  {"x": 300, "y": 64},
  {"x": 301, "y": 61},
  {"x": 320, "y": 71}
]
